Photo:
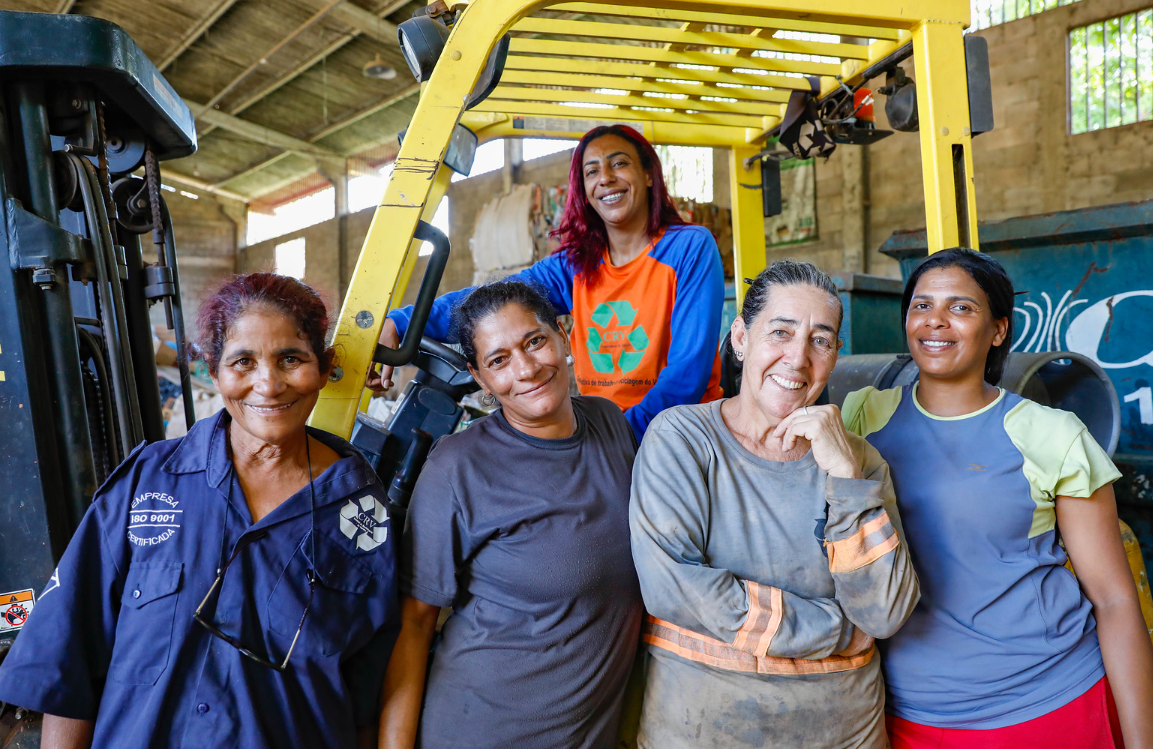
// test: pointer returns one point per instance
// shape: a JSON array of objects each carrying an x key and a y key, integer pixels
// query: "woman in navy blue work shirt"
[{"x": 233, "y": 588}]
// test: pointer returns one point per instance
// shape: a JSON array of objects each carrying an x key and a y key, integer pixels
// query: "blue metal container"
[
  {"x": 1086, "y": 279},
  {"x": 1086, "y": 284}
]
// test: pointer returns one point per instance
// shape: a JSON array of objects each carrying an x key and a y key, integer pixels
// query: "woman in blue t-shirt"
[{"x": 1006, "y": 647}]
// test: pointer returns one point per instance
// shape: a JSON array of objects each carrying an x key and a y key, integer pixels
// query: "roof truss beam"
[
  {"x": 228, "y": 88},
  {"x": 195, "y": 33},
  {"x": 333, "y": 128},
  {"x": 366, "y": 22},
  {"x": 307, "y": 65},
  {"x": 258, "y": 133}
]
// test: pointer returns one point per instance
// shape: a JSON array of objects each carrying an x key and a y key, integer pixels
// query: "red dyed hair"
[
  {"x": 296, "y": 300},
  {"x": 582, "y": 233}
]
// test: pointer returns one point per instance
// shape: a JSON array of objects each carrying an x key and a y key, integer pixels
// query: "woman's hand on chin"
[{"x": 823, "y": 428}]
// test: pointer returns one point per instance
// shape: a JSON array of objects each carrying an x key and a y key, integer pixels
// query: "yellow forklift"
[
  {"x": 704, "y": 73},
  {"x": 742, "y": 75}
]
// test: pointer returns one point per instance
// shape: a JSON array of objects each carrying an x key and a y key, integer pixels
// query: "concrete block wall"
[{"x": 208, "y": 232}]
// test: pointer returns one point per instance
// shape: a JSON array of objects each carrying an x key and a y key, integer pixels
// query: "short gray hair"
[{"x": 786, "y": 273}]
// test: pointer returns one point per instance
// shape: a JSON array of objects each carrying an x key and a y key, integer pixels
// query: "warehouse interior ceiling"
[
  {"x": 280, "y": 96},
  {"x": 276, "y": 85}
]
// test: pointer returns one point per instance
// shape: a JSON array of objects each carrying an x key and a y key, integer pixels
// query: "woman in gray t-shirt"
[
  {"x": 767, "y": 543},
  {"x": 520, "y": 524}
]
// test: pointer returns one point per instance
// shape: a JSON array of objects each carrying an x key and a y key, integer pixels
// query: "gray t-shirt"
[{"x": 527, "y": 540}]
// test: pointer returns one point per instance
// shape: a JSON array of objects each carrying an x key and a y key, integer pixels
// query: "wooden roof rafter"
[
  {"x": 324, "y": 8},
  {"x": 193, "y": 34},
  {"x": 313, "y": 139}
]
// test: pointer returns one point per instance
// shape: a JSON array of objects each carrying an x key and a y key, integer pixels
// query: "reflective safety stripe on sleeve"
[
  {"x": 763, "y": 620},
  {"x": 872, "y": 541}
]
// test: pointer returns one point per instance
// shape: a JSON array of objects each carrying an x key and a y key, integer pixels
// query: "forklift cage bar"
[{"x": 703, "y": 73}]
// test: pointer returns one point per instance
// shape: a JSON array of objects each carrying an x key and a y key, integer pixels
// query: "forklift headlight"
[{"x": 422, "y": 39}]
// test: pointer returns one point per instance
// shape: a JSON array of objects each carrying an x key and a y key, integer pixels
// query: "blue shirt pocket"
[
  {"x": 337, "y": 607},
  {"x": 147, "y": 615}
]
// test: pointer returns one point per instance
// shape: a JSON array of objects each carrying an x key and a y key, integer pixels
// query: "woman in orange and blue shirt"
[{"x": 644, "y": 288}]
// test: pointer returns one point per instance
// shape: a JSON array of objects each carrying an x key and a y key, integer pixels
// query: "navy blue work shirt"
[{"x": 112, "y": 638}]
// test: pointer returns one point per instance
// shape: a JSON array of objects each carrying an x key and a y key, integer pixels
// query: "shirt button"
[
  {"x": 136, "y": 594},
  {"x": 202, "y": 708}
]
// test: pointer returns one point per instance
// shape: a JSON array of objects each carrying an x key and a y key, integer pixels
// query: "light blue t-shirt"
[{"x": 1003, "y": 633}]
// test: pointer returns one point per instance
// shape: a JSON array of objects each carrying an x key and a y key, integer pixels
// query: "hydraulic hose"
[
  {"x": 109, "y": 319},
  {"x": 176, "y": 308},
  {"x": 124, "y": 349},
  {"x": 94, "y": 351}
]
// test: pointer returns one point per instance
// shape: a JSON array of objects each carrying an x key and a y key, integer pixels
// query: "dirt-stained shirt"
[{"x": 755, "y": 574}]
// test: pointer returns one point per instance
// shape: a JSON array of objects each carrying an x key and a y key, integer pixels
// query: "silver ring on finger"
[{"x": 805, "y": 410}]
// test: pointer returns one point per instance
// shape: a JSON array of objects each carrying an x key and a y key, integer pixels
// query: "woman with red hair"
[{"x": 644, "y": 288}]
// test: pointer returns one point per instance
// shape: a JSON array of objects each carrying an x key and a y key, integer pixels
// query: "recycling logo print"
[
  {"x": 609, "y": 344},
  {"x": 362, "y": 521}
]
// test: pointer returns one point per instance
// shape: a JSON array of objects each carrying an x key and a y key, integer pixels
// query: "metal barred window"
[
  {"x": 1111, "y": 72},
  {"x": 988, "y": 13}
]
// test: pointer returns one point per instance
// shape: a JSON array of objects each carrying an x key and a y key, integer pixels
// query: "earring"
[
  {"x": 488, "y": 400},
  {"x": 740, "y": 355},
  {"x": 568, "y": 359}
]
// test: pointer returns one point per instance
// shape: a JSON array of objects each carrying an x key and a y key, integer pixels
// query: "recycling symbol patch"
[
  {"x": 621, "y": 345},
  {"x": 362, "y": 520}
]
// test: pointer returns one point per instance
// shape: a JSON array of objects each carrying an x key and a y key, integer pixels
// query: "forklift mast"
[{"x": 81, "y": 110}]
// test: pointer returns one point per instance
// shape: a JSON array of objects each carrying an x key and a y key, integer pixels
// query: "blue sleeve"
[
  {"x": 553, "y": 274},
  {"x": 696, "y": 325},
  {"x": 60, "y": 659}
]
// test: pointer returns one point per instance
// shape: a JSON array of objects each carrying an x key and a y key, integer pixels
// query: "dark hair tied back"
[
  {"x": 993, "y": 280},
  {"x": 786, "y": 273},
  {"x": 491, "y": 298}
]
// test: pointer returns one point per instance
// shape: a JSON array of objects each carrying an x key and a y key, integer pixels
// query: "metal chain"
[
  {"x": 152, "y": 177},
  {"x": 102, "y": 167}
]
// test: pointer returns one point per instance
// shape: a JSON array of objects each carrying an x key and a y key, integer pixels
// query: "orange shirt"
[
  {"x": 623, "y": 329},
  {"x": 645, "y": 333}
]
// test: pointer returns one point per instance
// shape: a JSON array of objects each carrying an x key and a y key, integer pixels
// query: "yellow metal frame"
[{"x": 686, "y": 72}]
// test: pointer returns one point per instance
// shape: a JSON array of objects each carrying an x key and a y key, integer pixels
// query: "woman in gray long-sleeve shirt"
[{"x": 767, "y": 543}]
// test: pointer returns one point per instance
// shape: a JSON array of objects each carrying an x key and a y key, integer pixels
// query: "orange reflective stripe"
[
  {"x": 874, "y": 540},
  {"x": 763, "y": 621},
  {"x": 712, "y": 652}
]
